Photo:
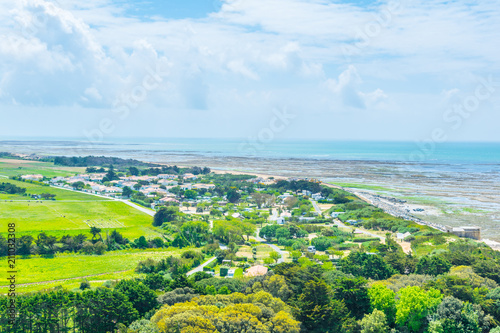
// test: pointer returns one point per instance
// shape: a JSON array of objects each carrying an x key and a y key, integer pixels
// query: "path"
[
  {"x": 316, "y": 207},
  {"x": 200, "y": 268},
  {"x": 274, "y": 247}
]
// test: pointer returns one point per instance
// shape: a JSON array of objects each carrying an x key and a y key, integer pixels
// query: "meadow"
[
  {"x": 71, "y": 213},
  {"x": 37, "y": 272},
  {"x": 12, "y": 167}
]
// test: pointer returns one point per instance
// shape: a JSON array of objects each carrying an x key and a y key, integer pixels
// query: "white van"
[{"x": 311, "y": 249}]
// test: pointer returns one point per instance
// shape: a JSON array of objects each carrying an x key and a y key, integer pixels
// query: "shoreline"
[{"x": 394, "y": 211}]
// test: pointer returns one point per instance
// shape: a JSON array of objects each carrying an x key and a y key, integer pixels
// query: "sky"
[{"x": 398, "y": 70}]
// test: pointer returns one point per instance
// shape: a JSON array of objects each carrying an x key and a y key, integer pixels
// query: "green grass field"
[
  {"x": 12, "y": 167},
  {"x": 71, "y": 213},
  {"x": 40, "y": 273},
  {"x": 71, "y": 218},
  {"x": 38, "y": 189}
]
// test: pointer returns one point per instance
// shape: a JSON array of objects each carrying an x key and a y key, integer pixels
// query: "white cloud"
[{"x": 258, "y": 53}]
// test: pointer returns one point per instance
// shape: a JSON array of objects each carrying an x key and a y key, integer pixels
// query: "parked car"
[{"x": 311, "y": 249}]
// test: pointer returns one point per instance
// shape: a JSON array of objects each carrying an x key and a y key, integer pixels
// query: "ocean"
[{"x": 456, "y": 183}]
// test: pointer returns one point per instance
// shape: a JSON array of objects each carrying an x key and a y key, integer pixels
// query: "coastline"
[{"x": 385, "y": 205}]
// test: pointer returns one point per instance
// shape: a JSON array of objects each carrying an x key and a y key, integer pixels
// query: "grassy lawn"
[
  {"x": 37, "y": 269},
  {"x": 95, "y": 281},
  {"x": 60, "y": 218},
  {"x": 11, "y": 167},
  {"x": 38, "y": 189}
]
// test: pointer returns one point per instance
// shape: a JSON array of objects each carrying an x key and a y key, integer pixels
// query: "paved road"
[
  {"x": 316, "y": 207},
  {"x": 200, "y": 268},
  {"x": 274, "y": 247}
]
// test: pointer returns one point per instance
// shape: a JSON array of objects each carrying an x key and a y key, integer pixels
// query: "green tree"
[
  {"x": 433, "y": 265},
  {"x": 354, "y": 292},
  {"x": 127, "y": 192},
  {"x": 133, "y": 171},
  {"x": 374, "y": 322},
  {"x": 370, "y": 266},
  {"x": 274, "y": 255},
  {"x": 383, "y": 299},
  {"x": 142, "y": 298},
  {"x": 318, "y": 311},
  {"x": 233, "y": 195},
  {"x": 413, "y": 306},
  {"x": 165, "y": 214},
  {"x": 77, "y": 185}
]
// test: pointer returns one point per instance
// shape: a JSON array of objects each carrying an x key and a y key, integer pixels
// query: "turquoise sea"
[
  {"x": 441, "y": 153},
  {"x": 457, "y": 183}
]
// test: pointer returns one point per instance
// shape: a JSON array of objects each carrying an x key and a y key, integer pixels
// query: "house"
[
  {"x": 189, "y": 176},
  {"x": 168, "y": 199},
  {"x": 306, "y": 192},
  {"x": 280, "y": 220},
  {"x": 165, "y": 176},
  {"x": 57, "y": 180},
  {"x": 32, "y": 177},
  {"x": 400, "y": 236},
  {"x": 256, "y": 271},
  {"x": 317, "y": 196},
  {"x": 336, "y": 214}
]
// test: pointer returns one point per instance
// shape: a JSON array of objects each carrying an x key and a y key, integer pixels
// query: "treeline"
[
  {"x": 45, "y": 244},
  {"x": 98, "y": 161},
  {"x": 11, "y": 189}
]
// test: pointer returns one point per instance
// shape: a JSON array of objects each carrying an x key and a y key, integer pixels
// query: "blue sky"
[{"x": 365, "y": 70}]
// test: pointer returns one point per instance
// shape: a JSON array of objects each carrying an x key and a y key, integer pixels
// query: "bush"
[
  {"x": 224, "y": 271},
  {"x": 366, "y": 239},
  {"x": 84, "y": 285}
]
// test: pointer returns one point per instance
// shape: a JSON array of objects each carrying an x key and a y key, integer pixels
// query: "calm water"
[
  {"x": 443, "y": 153},
  {"x": 452, "y": 178}
]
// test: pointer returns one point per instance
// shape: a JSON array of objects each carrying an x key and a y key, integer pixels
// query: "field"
[
  {"x": 70, "y": 214},
  {"x": 71, "y": 218},
  {"x": 38, "y": 189},
  {"x": 12, "y": 167},
  {"x": 39, "y": 273}
]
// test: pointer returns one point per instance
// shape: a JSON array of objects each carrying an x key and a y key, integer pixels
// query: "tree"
[
  {"x": 127, "y": 191},
  {"x": 370, "y": 266},
  {"x": 190, "y": 194},
  {"x": 374, "y": 322},
  {"x": 296, "y": 255},
  {"x": 24, "y": 245},
  {"x": 142, "y": 298},
  {"x": 434, "y": 265},
  {"x": 99, "y": 310},
  {"x": 133, "y": 171},
  {"x": 111, "y": 175},
  {"x": 100, "y": 248},
  {"x": 383, "y": 299},
  {"x": 77, "y": 185},
  {"x": 95, "y": 231},
  {"x": 318, "y": 311},
  {"x": 233, "y": 195},
  {"x": 274, "y": 255},
  {"x": 195, "y": 231},
  {"x": 290, "y": 202},
  {"x": 48, "y": 196},
  {"x": 165, "y": 214},
  {"x": 354, "y": 293},
  {"x": 413, "y": 306}
]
